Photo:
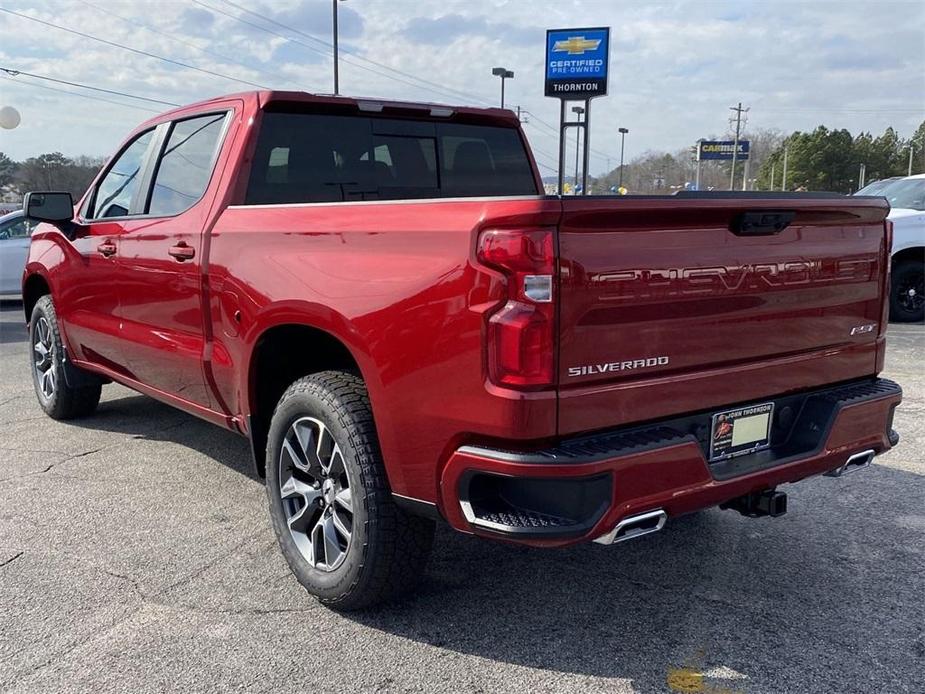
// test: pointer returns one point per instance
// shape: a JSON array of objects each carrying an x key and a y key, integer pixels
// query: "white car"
[
  {"x": 907, "y": 212},
  {"x": 14, "y": 249}
]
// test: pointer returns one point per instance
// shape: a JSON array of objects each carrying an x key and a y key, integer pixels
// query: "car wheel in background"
[{"x": 907, "y": 292}]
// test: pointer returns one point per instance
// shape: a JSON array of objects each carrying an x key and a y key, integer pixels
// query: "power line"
[
  {"x": 844, "y": 110},
  {"x": 137, "y": 51},
  {"x": 83, "y": 96},
  {"x": 314, "y": 49},
  {"x": 555, "y": 131},
  {"x": 178, "y": 39},
  {"x": 327, "y": 44},
  {"x": 290, "y": 39},
  {"x": 15, "y": 73}
]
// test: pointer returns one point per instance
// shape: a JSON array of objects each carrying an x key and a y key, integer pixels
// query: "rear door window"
[
  {"x": 303, "y": 157},
  {"x": 186, "y": 164}
]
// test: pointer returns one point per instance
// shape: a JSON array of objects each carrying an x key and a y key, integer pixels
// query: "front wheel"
[
  {"x": 907, "y": 292},
  {"x": 332, "y": 511},
  {"x": 57, "y": 398}
]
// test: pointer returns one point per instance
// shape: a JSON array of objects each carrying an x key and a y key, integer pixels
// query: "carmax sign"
[{"x": 721, "y": 149}]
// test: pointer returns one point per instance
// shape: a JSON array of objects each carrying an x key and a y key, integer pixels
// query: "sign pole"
[
  {"x": 577, "y": 151},
  {"x": 577, "y": 62},
  {"x": 697, "y": 178},
  {"x": 587, "y": 153},
  {"x": 561, "y": 146}
]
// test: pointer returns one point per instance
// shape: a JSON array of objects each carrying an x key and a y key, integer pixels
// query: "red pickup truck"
[{"x": 382, "y": 299}]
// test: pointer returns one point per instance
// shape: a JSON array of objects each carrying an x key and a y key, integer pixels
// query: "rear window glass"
[{"x": 304, "y": 157}]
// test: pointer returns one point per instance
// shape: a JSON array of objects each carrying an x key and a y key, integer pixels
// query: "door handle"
[
  {"x": 182, "y": 252},
  {"x": 106, "y": 249}
]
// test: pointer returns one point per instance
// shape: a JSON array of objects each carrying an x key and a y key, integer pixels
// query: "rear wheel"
[
  {"x": 57, "y": 398},
  {"x": 907, "y": 293},
  {"x": 343, "y": 536}
]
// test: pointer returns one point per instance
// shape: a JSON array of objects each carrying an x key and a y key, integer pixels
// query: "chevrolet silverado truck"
[{"x": 381, "y": 298}]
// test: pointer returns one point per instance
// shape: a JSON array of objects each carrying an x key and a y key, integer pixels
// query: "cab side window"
[
  {"x": 18, "y": 229},
  {"x": 113, "y": 197},
  {"x": 185, "y": 167}
]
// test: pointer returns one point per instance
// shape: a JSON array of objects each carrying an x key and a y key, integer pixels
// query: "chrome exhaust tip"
[
  {"x": 635, "y": 526},
  {"x": 856, "y": 462}
]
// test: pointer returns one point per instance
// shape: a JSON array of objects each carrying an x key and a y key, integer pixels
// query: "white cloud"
[{"x": 676, "y": 67}]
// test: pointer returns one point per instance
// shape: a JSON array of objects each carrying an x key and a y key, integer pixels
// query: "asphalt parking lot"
[{"x": 136, "y": 555}]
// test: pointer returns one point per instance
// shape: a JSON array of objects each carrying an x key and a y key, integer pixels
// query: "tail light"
[{"x": 521, "y": 334}]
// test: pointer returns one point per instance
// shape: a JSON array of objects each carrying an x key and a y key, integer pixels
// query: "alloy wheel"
[
  {"x": 43, "y": 358},
  {"x": 315, "y": 493},
  {"x": 911, "y": 292}
]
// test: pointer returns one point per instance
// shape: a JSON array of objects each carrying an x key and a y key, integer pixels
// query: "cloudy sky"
[{"x": 676, "y": 67}]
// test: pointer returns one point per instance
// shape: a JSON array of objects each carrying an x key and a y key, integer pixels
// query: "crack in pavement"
[
  {"x": 82, "y": 454},
  {"x": 144, "y": 600},
  {"x": 53, "y": 465},
  {"x": 12, "y": 559}
]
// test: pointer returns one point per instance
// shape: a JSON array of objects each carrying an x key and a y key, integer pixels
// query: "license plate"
[{"x": 741, "y": 431}]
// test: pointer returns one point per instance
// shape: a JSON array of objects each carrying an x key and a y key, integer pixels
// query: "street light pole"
[
  {"x": 336, "y": 59},
  {"x": 504, "y": 74},
  {"x": 623, "y": 132},
  {"x": 579, "y": 110}
]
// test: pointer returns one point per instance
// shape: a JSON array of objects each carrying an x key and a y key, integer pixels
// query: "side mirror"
[
  {"x": 49, "y": 207},
  {"x": 54, "y": 208}
]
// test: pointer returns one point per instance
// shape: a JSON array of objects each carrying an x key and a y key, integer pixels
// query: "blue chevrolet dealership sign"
[
  {"x": 576, "y": 62},
  {"x": 708, "y": 150}
]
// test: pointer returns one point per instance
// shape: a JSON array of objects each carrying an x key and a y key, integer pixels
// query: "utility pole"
[
  {"x": 862, "y": 175},
  {"x": 773, "y": 166},
  {"x": 336, "y": 78},
  {"x": 783, "y": 180},
  {"x": 911, "y": 150},
  {"x": 735, "y": 148}
]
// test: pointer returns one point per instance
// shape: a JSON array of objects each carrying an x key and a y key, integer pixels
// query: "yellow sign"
[{"x": 576, "y": 45}]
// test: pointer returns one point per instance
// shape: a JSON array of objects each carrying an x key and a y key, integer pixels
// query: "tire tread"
[
  {"x": 397, "y": 544},
  {"x": 68, "y": 402}
]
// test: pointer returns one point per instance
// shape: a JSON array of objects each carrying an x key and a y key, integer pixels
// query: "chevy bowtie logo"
[{"x": 576, "y": 45}]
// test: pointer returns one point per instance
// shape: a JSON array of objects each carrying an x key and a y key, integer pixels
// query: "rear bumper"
[{"x": 583, "y": 487}]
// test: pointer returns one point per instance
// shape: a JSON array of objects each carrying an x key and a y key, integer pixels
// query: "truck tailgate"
[{"x": 668, "y": 307}]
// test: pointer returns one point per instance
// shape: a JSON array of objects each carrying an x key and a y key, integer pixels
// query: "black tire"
[
  {"x": 46, "y": 354},
  {"x": 907, "y": 294},
  {"x": 387, "y": 549}
]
